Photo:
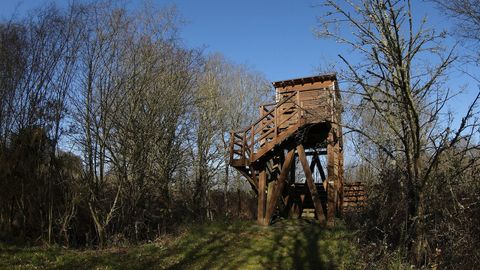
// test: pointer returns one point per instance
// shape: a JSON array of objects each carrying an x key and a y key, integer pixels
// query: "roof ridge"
[{"x": 304, "y": 80}]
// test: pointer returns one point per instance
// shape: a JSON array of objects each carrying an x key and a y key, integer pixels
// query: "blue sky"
[{"x": 272, "y": 36}]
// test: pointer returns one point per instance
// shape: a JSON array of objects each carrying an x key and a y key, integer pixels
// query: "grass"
[{"x": 242, "y": 245}]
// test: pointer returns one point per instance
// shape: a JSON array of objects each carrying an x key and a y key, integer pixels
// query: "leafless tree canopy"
[
  {"x": 399, "y": 114},
  {"x": 145, "y": 118},
  {"x": 467, "y": 14}
]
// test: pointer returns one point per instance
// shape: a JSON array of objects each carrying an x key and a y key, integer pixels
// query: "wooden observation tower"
[{"x": 281, "y": 153}]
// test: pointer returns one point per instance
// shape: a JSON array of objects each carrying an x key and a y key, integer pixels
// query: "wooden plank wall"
[
  {"x": 314, "y": 98},
  {"x": 354, "y": 196}
]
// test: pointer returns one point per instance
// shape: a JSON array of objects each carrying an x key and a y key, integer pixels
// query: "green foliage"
[{"x": 240, "y": 245}]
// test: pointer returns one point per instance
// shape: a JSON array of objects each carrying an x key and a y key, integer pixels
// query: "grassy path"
[{"x": 285, "y": 245}]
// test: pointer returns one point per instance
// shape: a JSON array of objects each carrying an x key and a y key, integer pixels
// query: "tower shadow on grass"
[
  {"x": 285, "y": 245},
  {"x": 303, "y": 243}
]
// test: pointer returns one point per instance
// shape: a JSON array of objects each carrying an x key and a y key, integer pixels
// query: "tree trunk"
[
  {"x": 421, "y": 243},
  {"x": 225, "y": 190}
]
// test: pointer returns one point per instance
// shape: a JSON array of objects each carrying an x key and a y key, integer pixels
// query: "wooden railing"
[{"x": 264, "y": 133}]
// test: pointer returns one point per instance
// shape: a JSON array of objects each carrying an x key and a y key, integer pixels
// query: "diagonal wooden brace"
[
  {"x": 311, "y": 185},
  {"x": 277, "y": 191}
]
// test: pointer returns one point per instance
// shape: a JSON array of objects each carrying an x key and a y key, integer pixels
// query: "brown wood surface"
[
  {"x": 305, "y": 87},
  {"x": 309, "y": 100},
  {"x": 331, "y": 178},
  {"x": 262, "y": 180},
  {"x": 280, "y": 184},
  {"x": 355, "y": 197},
  {"x": 311, "y": 185}
]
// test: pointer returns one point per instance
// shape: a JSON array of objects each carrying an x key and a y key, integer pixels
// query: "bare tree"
[
  {"x": 397, "y": 80},
  {"x": 135, "y": 92},
  {"x": 40, "y": 55},
  {"x": 151, "y": 124},
  {"x": 97, "y": 77},
  {"x": 466, "y": 16},
  {"x": 243, "y": 92},
  {"x": 225, "y": 95},
  {"x": 468, "y": 12}
]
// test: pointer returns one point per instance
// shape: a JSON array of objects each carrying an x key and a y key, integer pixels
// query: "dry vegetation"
[
  {"x": 144, "y": 119},
  {"x": 112, "y": 133},
  {"x": 420, "y": 164}
]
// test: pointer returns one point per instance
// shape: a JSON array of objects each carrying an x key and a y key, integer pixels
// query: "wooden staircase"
[{"x": 262, "y": 140}]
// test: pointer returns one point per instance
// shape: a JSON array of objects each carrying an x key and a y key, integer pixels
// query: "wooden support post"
[
  {"x": 289, "y": 200},
  {"x": 275, "y": 122},
  {"x": 311, "y": 185},
  {"x": 262, "y": 179},
  {"x": 298, "y": 98},
  {"x": 270, "y": 187},
  {"x": 300, "y": 205},
  {"x": 293, "y": 171},
  {"x": 279, "y": 186},
  {"x": 295, "y": 211},
  {"x": 340, "y": 170},
  {"x": 312, "y": 166},
  {"x": 262, "y": 113},
  {"x": 296, "y": 107},
  {"x": 244, "y": 147},
  {"x": 323, "y": 188},
  {"x": 252, "y": 147},
  {"x": 331, "y": 192}
]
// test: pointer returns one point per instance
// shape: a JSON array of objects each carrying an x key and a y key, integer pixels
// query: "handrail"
[
  {"x": 245, "y": 143},
  {"x": 268, "y": 112},
  {"x": 272, "y": 127},
  {"x": 268, "y": 104}
]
